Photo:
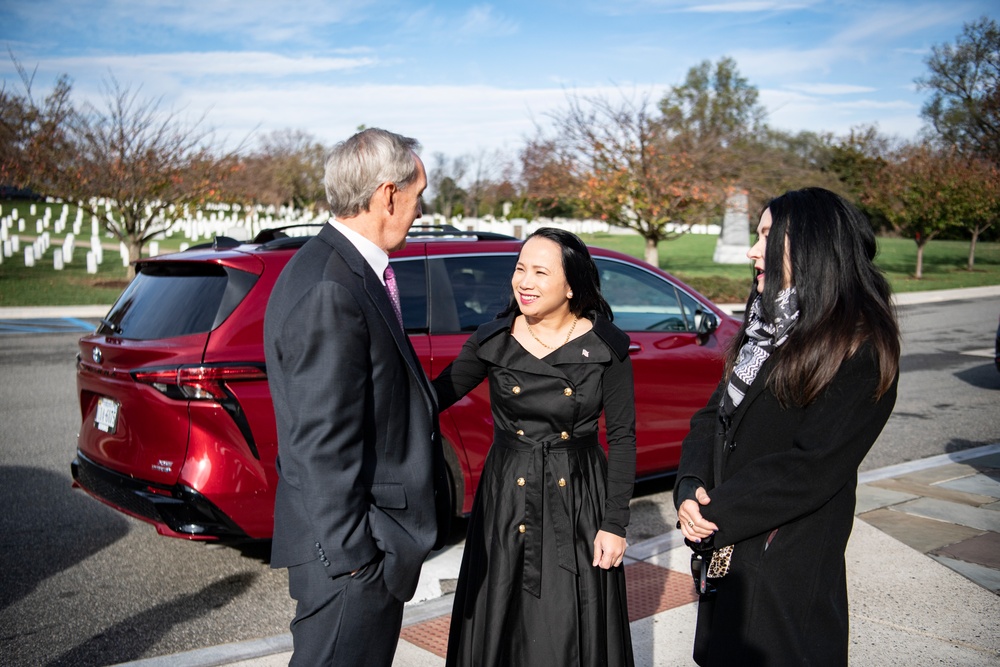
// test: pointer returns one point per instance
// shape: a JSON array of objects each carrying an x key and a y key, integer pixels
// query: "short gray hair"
[{"x": 356, "y": 167}]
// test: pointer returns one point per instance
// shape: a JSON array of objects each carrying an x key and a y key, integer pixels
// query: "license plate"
[{"x": 106, "y": 418}]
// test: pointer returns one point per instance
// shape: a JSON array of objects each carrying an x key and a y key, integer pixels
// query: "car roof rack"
[
  {"x": 443, "y": 232},
  {"x": 265, "y": 236},
  {"x": 275, "y": 237},
  {"x": 218, "y": 243}
]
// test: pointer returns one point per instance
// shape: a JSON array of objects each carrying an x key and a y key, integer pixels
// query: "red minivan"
[{"x": 177, "y": 424}]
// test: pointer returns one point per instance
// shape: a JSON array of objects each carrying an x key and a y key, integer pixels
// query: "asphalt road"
[{"x": 82, "y": 585}]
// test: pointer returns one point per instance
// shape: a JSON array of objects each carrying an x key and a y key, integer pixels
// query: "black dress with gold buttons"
[{"x": 527, "y": 593}]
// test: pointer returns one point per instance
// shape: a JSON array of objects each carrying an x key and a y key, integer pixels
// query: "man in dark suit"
[{"x": 360, "y": 497}]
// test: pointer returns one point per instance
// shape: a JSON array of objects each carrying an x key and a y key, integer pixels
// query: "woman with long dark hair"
[
  {"x": 541, "y": 582},
  {"x": 768, "y": 474}
]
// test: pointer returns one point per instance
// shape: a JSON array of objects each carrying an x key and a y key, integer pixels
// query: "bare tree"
[
  {"x": 964, "y": 80},
  {"x": 142, "y": 161},
  {"x": 286, "y": 169},
  {"x": 485, "y": 170},
  {"x": 444, "y": 180}
]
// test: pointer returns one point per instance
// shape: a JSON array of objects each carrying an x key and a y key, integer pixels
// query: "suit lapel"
[{"x": 376, "y": 291}]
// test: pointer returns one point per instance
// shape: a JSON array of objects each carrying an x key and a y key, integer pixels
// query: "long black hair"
[
  {"x": 581, "y": 274},
  {"x": 844, "y": 299}
]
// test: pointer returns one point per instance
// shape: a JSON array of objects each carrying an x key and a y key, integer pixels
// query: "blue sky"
[{"x": 469, "y": 78}]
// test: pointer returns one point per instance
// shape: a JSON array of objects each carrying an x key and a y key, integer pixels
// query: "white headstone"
[
  {"x": 29, "y": 256},
  {"x": 91, "y": 263},
  {"x": 154, "y": 248},
  {"x": 8, "y": 248},
  {"x": 34, "y": 210},
  {"x": 15, "y": 241},
  {"x": 57, "y": 261}
]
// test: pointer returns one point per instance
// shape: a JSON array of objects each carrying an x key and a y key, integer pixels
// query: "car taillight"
[{"x": 199, "y": 383}]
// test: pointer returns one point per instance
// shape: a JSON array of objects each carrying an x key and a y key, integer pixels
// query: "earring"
[{"x": 569, "y": 295}]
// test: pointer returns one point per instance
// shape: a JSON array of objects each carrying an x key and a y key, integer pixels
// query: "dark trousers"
[{"x": 343, "y": 621}]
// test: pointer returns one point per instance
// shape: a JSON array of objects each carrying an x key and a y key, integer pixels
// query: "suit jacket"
[
  {"x": 360, "y": 465},
  {"x": 794, "y": 471}
]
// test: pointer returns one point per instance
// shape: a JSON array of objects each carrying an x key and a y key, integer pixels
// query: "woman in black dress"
[
  {"x": 769, "y": 470},
  {"x": 542, "y": 581}
]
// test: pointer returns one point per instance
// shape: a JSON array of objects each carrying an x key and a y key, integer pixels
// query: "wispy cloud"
[
  {"x": 749, "y": 6},
  {"x": 213, "y": 63},
  {"x": 882, "y": 24},
  {"x": 484, "y": 20},
  {"x": 829, "y": 88},
  {"x": 695, "y": 6}
]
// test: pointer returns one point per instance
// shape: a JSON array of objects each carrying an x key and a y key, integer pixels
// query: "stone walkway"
[{"x": 949, "y": 512}]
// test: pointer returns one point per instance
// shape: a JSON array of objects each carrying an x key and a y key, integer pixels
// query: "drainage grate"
[
  {"x": 651, "y": 589},
  {"x": 430, "y": 635}
]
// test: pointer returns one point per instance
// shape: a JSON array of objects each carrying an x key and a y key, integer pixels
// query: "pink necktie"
[{"x": 393, "y": 290}]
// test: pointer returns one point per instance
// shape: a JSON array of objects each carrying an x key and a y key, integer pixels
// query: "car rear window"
[{"x": 166, "y": 300}]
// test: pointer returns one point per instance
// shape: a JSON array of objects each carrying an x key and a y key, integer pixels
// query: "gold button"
[
  {"x": 562, "y": 482},
  {"x": 564, "y": 435},
  {"x": 568, "y": 391},
  {"x": 520, "y": 481},
  {"x": 516, "y": 390},
  {"x": 521, "y": 528},
  {"x": 520, "y": 432}
]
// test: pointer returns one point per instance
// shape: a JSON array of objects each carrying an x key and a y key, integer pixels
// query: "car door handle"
[{"x": 634, "y": 347}]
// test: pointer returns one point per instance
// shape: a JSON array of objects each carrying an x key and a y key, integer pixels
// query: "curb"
[{"x": 227, "y": 654}]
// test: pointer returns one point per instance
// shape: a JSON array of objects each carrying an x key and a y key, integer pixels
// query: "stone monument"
[{"x": 734, "y": 239}]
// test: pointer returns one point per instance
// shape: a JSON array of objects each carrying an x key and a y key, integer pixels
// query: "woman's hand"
[
  {"x": 694, "y": 526},
  {"x": 609, "y": 549}
]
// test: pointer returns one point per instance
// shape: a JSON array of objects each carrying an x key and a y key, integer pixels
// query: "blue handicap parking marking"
[{"x": 46, "y": 325}]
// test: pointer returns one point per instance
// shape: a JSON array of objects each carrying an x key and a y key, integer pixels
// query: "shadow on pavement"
[
  {"x": 130, "y": 639},
  {"x": 983, "y": 377},
  {"x": 47, "y": 527}
]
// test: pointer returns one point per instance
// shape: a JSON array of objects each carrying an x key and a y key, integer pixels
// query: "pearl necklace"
[{"x": 549, "y": 347}]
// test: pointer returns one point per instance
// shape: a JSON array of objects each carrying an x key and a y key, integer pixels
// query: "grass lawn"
[{"x": 688, "y": 257}]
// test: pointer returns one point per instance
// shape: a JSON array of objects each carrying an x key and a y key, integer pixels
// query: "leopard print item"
[{"x": 719, "y": 567}]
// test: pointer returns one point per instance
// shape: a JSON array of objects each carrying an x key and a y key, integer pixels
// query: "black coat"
[
  {"x": 527, "y": 593},
  {"x": 359, "y": 454},
  {"x": 793, "y": 470}
]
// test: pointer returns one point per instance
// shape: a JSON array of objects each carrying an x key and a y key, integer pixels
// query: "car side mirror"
[{"x": 706, "y": 324}]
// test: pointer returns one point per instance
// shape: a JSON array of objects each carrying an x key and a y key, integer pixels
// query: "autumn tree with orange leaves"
[
  {"x": 619, "y": 164},
  {"x": 128, "y": 162},
  {"x": 923, "y": 190},
  {"x": 654, "y": 170}
]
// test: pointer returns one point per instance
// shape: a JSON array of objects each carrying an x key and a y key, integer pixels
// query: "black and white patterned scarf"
[{"x": 762, "y": 338}]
